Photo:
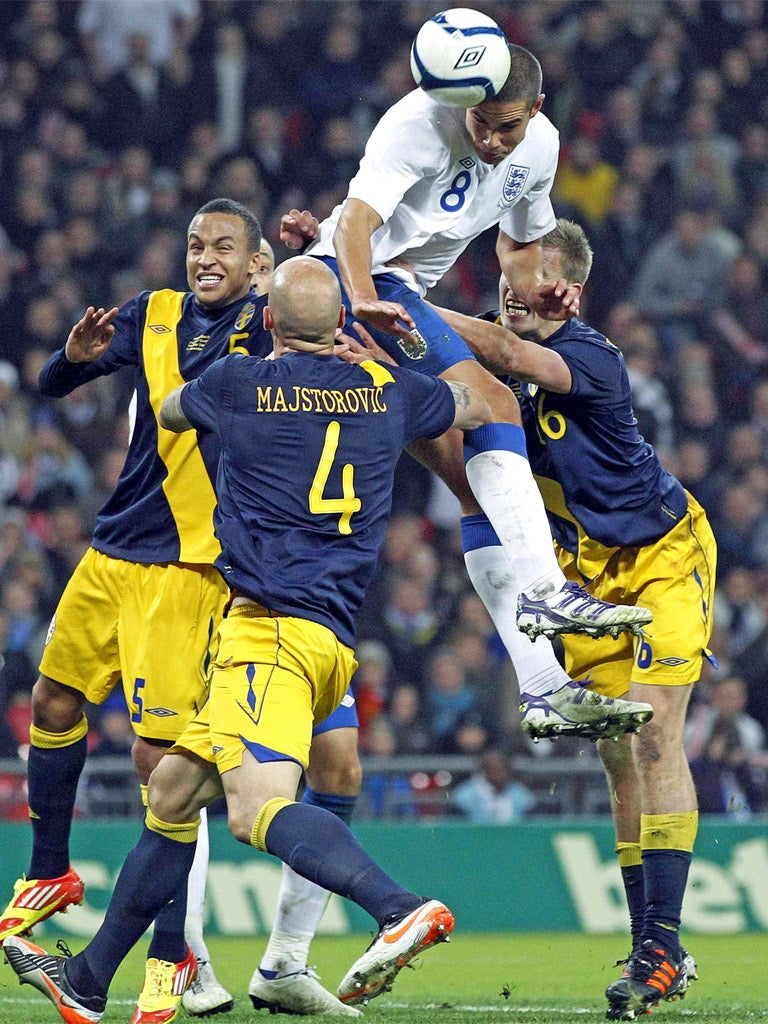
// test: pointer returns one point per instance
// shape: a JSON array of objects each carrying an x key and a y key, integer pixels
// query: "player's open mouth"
[
  {"x": 209, "y": 280},
  {"x": 515, "y": 309}
]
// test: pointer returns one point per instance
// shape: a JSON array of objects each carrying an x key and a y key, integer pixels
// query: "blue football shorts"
[{"x": 436, "y": 347}]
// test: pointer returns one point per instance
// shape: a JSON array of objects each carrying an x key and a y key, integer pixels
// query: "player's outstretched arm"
[
  {"x": 503, "y": 353},
  {"x": 90, "y": 337},
  {"x": 521, "y": 263},
  {"x": 171, "y": 417},
  {"x": 352, "y": 242}
]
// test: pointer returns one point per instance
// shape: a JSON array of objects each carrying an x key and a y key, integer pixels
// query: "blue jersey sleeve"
[
  {"x": 203, "y": 399},
  {"x": 596, "y": 370},
  {"x": 432, "y": 408}
]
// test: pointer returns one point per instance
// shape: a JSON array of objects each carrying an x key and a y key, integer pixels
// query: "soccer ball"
[{"x": 460, "y": 58}]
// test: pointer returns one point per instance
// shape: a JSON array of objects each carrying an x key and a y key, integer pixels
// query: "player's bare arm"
[
  {"x": 472, "y": 410},
  {"x": 171, "y": 417},
  {"x": 91, "y": 336},
  {"x": 521, "y": 264},
  {"x": 352, "y": 242},
  {"x": 502, "y": 352}
]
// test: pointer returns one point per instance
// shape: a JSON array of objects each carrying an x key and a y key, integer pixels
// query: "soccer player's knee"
[
  {"x": 342, "y": 775},
  {"x": 146, "y": 755},
  {"x": 616, "y": 755},
  {"x": 55, "y": 708},
  {"x": 649, "y": 746},
  {"x": 171, "y": 798},
  {"x": 240, "y": 820},
  {"x": 504, "y": 405},
  {"x": 334, "y": 763}
]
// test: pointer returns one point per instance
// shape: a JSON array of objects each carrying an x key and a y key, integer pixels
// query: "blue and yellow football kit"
[
  {"x": 309, "y": 447},
  {"x": 145, "y": 602},
  {"x": 623, "y": 525}
]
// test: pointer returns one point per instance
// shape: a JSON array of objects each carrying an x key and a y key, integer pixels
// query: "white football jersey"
[{"x": 434, "y": 194}]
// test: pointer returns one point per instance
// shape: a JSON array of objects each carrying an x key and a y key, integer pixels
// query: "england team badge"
[
  {"x": 513, "y": 186},
  {"x": 414, "y": 346}
]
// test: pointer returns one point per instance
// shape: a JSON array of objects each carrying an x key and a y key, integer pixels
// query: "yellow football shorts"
[
  {"x": 274, "y": 677},
  {"x": 675, "y": 578},
  {"x": 153, "y": 625}
]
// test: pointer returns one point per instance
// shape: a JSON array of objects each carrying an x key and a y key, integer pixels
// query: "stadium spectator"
[
  {"x": 492, "y": 795},
  {"x": 106, "y": 30},
  {"x": 585, "y": 183},
  {"x": 386, "y": 794},
  {"x": 230, "y": 71},
  {"x": 739, "y": 609},
  {"x": 410, "y": 724},
  {"x": 454, "y": 709},
  {"x": 623, "y": 125},
  {"x": 371, "y": 684},
  {"x": 727, "y": 751},
  {"x": 621, "y": 241},
  {"x": 602, "y": 55},
  {"x": 682, "y": 278}
]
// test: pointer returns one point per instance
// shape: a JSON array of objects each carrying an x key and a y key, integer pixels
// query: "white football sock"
[
  {"x": 193, "y": 923},
  {"x": 503, "y": 484},
  {"x": 536, "y": 667},
  {"x": 300, "y": 906}
]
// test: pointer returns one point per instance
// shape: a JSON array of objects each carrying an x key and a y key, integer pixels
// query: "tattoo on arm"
[{"x": 462, "y": 394}]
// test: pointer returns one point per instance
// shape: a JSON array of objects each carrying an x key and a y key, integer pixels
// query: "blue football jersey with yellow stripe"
[
  {"x": 162, "y": 507},
  {"x": 309, "y": 447},
  {"x": 597, "y": 474}
]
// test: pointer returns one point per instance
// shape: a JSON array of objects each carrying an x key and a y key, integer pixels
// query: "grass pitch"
[{"x": 543, "y": 978}]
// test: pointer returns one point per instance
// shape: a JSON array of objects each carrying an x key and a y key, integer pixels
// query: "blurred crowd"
[{"x": 118, "y": 120}]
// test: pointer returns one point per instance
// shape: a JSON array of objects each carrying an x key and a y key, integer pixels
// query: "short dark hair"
[
  {"x": 524, "y": 78},
  {"x": 235, "y": 209},
  {"x": 568, "y": 238}
]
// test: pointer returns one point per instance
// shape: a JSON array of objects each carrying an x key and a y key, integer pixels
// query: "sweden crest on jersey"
[
  {"x": 246, "y": 315},
  {"x": 513, "y": 186}
]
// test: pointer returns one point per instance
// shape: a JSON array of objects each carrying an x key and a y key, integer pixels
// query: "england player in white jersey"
[
  {"x": 432, "y": 179},
  {"x": 434, "y": 192}
]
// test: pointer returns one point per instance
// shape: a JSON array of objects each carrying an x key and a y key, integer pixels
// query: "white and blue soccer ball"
[{"x": 460, "y": 57}]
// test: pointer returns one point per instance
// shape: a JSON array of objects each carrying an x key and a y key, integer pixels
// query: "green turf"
[{"x": 549, "y": 978}]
